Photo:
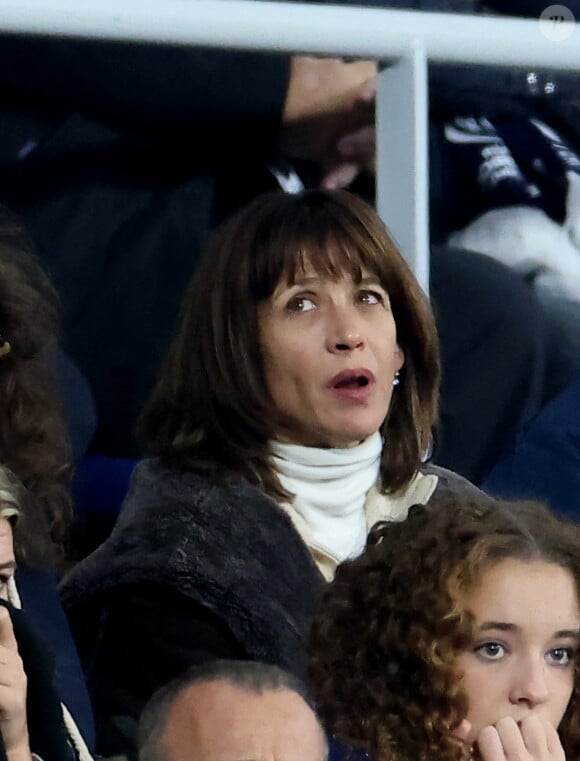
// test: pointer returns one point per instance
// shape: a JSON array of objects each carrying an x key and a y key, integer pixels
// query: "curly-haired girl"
[{"x": 455, "y": 636}]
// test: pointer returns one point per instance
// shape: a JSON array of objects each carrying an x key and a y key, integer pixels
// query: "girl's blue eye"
[
  {"x": 560, "y": 656},
  {"x": 490, "y": 651}
]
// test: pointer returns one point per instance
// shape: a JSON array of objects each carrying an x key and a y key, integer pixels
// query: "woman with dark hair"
[
  {"x": 232, "y": 382},
  {"x": 294, "y": 410},
  {"x": 34, "y": 447},
  {"x": 455, "y": 636},
  {"x": 34, "y": 441}
]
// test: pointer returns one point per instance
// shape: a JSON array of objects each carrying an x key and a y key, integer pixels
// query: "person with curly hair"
[{"x": 455, "y": 636}]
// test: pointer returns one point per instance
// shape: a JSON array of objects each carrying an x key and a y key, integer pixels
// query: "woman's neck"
[{"x": 329, "y": 488}]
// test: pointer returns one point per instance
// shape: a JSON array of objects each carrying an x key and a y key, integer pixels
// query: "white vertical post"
[{"x": 402, "y": 157}]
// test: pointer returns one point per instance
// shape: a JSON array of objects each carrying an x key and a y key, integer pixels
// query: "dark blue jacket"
[{"x": 544, "y": 463}]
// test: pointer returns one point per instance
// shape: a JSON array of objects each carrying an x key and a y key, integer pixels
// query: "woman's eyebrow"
[
  {"x": 371, "y": 280},
  {"x": 299, "y": 281},
  {"x": 283, "y": 288},
  {"x": 503, "y": 626},
  {"x": 568, "y": 633},
  {"x": 11, "y": 564},
  {"x": 304, "y": 280}
]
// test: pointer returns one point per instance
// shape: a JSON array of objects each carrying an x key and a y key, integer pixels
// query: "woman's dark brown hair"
[
  {"x": 211, "y": 402},
  {"x": 33, "y": 437},
  {"x": 385, "y": 640}
]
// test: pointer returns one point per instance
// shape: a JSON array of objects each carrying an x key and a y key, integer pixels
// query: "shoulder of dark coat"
[
  {"x": 450, "y": 483},
  {"x": 223, "y": 544},
  {"x": 172, "y": 520}
]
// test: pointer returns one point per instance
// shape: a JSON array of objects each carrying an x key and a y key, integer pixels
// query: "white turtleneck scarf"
[{"x": 331, "y": 486}]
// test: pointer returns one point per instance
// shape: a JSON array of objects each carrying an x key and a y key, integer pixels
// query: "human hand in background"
[
  {"x": 329, "y": 117},
  {"x": 356, "y": 153},
  {"x": 13, "y": 724}
]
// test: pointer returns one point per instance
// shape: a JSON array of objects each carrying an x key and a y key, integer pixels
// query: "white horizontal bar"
[{"x": 293, "y": 27}]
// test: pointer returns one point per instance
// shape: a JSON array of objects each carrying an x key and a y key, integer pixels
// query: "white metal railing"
[
  {"x": 324, "y": 29},
  {"x": 410, "y": 38}
]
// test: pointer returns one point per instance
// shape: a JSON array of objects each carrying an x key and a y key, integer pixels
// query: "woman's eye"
[
  {"x": 371, "y": 297},
  {"x": 490, "y": 651},
  {"x": 300, "y": 304},
  {"x": 560, "y": 656}
]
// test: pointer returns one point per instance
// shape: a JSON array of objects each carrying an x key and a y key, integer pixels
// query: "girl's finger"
[
  {"x": 490, "y": 745},
  {"x": 555, "y": 748},
  {"x": 534, "y": 735},
  {"x": 512, "y": 739},
  {"x": 462, "y": 730}
]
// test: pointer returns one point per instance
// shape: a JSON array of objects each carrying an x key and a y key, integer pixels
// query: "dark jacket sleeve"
[{"x": 129, "y": 664}]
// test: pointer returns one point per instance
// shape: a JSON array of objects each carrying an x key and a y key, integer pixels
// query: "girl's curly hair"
[
  {"x": 34, "y": 442},
  {"x": 384, "y": 642}
]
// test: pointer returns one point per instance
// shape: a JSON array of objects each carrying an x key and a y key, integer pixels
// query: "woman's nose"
[
  {"x": 344, "y": 332},
  {"x": 531, "y": 684}
]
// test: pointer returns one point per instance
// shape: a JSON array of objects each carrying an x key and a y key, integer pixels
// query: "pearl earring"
[{"x": 396, "y": 379}]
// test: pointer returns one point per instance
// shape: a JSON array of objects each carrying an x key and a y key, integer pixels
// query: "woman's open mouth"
[{"x": 354, "y": 384}]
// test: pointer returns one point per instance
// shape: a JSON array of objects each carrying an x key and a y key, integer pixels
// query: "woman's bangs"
[
  {"x": 341, "y": 251},
  {"x": 329, "y": 258},
  {"x": 331, "y": 242}
]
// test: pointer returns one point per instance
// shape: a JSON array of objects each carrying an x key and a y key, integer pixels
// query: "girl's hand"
[
  {"x": 532, "y": 739},
  {"x": 13, "y": 724}
]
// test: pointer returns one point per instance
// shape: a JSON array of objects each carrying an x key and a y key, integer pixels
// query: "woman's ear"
[{"x": 399, "y": 357}]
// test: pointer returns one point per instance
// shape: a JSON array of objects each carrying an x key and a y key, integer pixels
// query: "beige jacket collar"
[{"x": 378, "y": 507}]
